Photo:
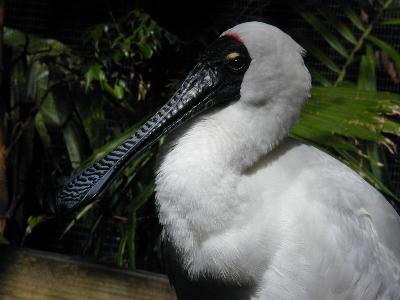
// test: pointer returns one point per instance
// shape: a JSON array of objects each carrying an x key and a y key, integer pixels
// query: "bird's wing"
[
  {"x": 343, "y": 241},
  {"x": 334, "y": 235}
]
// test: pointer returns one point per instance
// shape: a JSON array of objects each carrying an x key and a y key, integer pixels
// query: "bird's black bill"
[
  {"x": 215, "y": 79},
  {"x": 195, "y": 94}
]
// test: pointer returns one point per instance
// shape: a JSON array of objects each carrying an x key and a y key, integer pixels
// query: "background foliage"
[
  {"x": 348, "y": 117},
  {"x": 56, "y": 93},
  {"x": 66, "y": 108}
]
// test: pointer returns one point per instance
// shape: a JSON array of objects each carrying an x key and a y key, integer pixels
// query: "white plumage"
[{"x": 243, "y": 203}]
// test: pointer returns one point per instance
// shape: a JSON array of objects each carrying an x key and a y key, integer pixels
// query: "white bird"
[{"x": 247, "y": 212}]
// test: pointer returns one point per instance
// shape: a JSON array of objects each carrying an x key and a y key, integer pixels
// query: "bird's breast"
[
  {"x": 197, "y": 197},
  {"x": 194, "y": 183}
]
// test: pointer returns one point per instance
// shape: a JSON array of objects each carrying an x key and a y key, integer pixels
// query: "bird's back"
[{"x": 339, "y": 236}]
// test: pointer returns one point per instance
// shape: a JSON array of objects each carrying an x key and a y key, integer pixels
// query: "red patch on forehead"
[{"x": 234, "y": 35}]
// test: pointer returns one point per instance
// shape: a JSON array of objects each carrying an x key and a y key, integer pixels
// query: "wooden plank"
[{"x": 37, "y": 275}]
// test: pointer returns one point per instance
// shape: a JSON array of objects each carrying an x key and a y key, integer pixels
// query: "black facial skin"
[
  {"x": 230, "y": 72},
  {"x": 216, "y": 79}
]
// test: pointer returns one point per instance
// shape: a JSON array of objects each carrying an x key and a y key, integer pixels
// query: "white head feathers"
[{"x": 277, "y": 67}]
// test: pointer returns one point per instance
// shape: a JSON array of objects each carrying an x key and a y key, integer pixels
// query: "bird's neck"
[{"x": 202, "y": 166}]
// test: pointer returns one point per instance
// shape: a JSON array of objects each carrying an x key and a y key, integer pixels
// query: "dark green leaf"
[
  {"x": 317, "y": 76},
  {"x": 385, "y": 47},
  {"x": 118, "y": 92},
  {"x": 144, "y": 195},
  {"x": 41, "y": 129},
  {"x": 55, "y": 113},
  {"x": 341, "y": 27},
  {"x": 74, "y": 141},
  {"x": 91, "y": 74},
  {"x": 377, "y": 162},
  {"x": 321, "y": 56},
  {"x": 145, "y": 49},
  {"x": 391, "y": 21},
  {"x": 131, "y": 232},
  {"x": 33, "y": 221},
  {"x": 79, "y": 216},
  {"x": 332, "y": 40},
  {"x": 354, "y": 17},
  {"x": 122, "y": 249},
  {"x": 367, "y": 78},
  {"x": 21, "y": 41}
]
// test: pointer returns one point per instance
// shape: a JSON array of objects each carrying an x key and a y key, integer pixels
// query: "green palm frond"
[
  {"x": 339, "y": 119},
  {"x": 349, "y": 113},
  {"x": 351, "y": 120}
]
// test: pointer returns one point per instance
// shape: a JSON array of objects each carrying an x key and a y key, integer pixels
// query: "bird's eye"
[{"x": 235, "y": 61}]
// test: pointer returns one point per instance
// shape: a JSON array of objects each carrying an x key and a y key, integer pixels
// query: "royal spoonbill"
[{"x": 247, "y": 212}]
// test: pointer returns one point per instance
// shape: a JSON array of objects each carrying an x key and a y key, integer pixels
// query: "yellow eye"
[
  {"x": 235, "y": 61},
  {"x": 232, "y": 55}
]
